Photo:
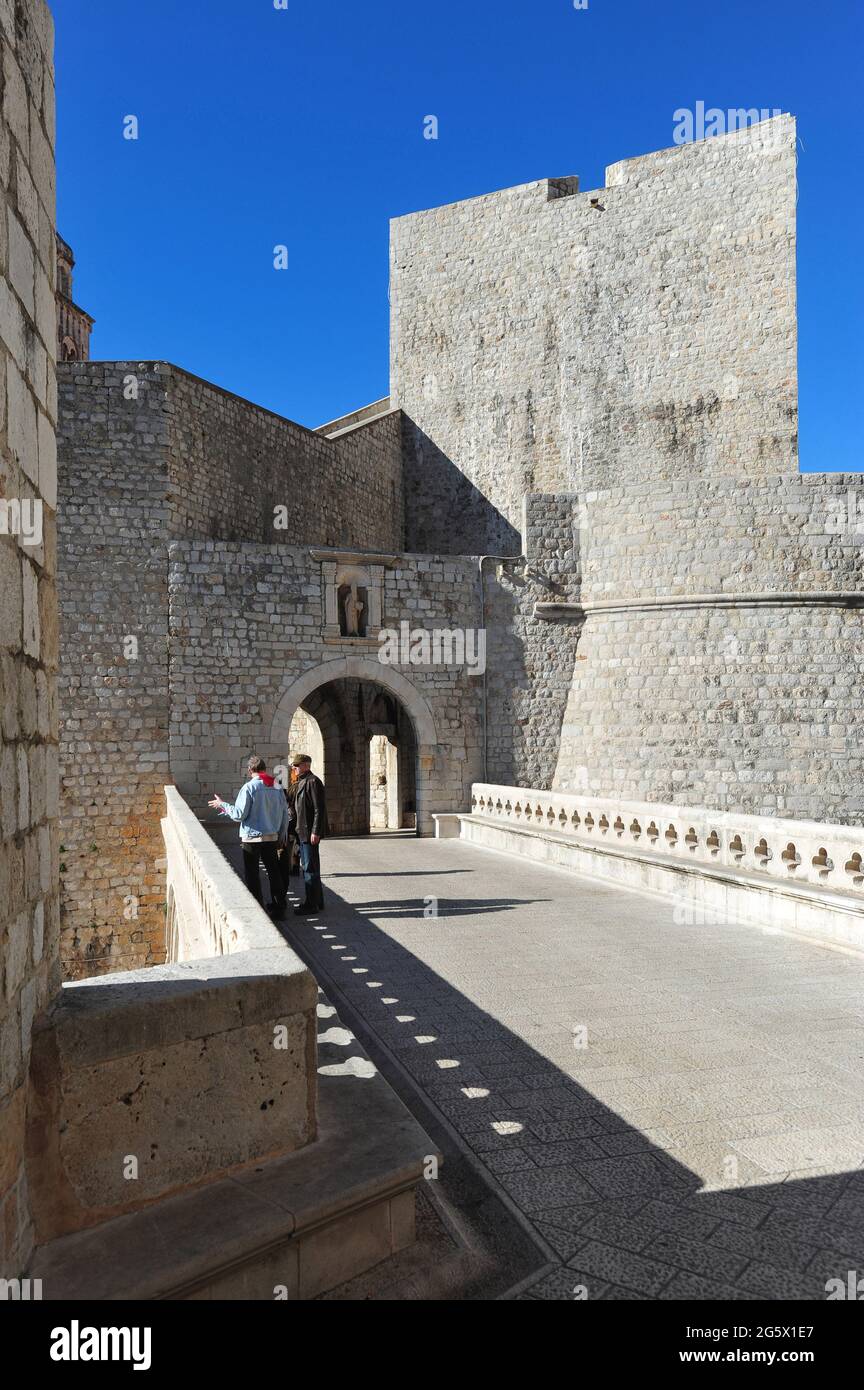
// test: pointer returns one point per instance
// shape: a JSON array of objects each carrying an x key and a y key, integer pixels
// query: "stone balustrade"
[
  {"x": 790, "y": 850},
  {"x": 796, "y": 876}
]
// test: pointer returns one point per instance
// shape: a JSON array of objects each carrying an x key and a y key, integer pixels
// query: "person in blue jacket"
[{"x": 262, "y": 812}]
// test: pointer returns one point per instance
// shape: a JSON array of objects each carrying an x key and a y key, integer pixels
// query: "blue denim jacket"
[{"x": 261, "y": 810}]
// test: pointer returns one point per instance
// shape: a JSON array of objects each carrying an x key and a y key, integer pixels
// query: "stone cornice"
[
  {"x": 355, "y": 557},
  {"x": 830, "y": 598}
]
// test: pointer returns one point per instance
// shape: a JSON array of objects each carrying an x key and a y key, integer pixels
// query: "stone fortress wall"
[
  {"x": 637, "y": 345},
  {"x": 115, "y": 506},
  {"x": 234, "y": 463},
  {"x": 723, "y": 669},
  {"x": 544, "y": 339},
  {"x": 29, "y": 900}
]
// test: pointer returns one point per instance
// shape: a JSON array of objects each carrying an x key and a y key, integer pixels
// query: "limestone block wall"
[
  {"x": 115, "y": 512},
  {"x": 306, "y": 738},
  {"x": 345, "y": 711},
  {"x": 233, "y": 463},
  {"x": 530, "y": 658},
  {"x": 545, "y": 339},
  {"x": 720, "y": 663},
  {"x": 29, "y": 913}
]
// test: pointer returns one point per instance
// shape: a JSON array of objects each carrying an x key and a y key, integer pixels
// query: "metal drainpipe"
[{"x": 511, "y": 559}]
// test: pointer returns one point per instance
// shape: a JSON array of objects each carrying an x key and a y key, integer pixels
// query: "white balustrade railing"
[{"x": 790, "y": 851}]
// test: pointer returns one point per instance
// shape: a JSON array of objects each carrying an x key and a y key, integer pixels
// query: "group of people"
[{"x": 274, "y": 822}]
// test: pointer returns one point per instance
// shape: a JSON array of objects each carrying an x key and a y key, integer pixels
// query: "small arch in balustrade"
[
  {"x": 635, "y": 829},
  {"x": 671, "y": 837},
  {"x": 713, "y": 842},
  {"x": 604, "y": 823},
  {"x": 791, "y": 858},
  {"x": 589, "y": 821},
  {"x": 854, "y": 869},
  {"x": 550, "y": 816},
  {"x": 618, "y": 827},
  {"x": 822, "y": 862},
  {"x": 508, "y": 808},
  {"x": 517, "y": 809},
  {"x": 691, "y": 839},
  {"x": 762, "y": 854},
  {"x": 538, "y": 812},
  {"x": 653, "y": 833},
  {"x": 562, "y": 818},
  {"x": 498, "y": 807},
  {"x": 575, "y": 820},
  {"x": 736, "y": 847}
]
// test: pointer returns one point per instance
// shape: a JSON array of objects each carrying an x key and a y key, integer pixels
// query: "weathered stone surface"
[
  {"x": 28, "y": 959},
  {"x": 328, "y": 1209},
  {"x": 196, "y": 1042}
]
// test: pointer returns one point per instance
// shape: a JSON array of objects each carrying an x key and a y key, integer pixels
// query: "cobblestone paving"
[{"x": 706, "y": 1142}]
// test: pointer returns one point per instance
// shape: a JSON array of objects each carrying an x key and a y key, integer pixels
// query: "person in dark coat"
[
  {"x": 310, "y": 826},
  {"x": 288, "y": 856}
]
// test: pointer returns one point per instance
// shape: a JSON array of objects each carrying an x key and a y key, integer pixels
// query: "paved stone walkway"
[{"x": 700, "y": 1134}]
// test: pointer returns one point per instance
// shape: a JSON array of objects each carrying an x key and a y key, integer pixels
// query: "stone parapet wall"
[
  {"x": 210, "y": 910},
  {"x": 233, "y": 464},
  {"x": 29, "y": 909},
  {"x": 111, "y": 1058}
]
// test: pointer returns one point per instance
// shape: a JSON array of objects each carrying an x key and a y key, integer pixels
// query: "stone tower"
[{"x": 73, "y": 325}]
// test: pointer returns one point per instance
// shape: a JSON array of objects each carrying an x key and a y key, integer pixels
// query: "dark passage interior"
[{"x": 363, "y": 747}]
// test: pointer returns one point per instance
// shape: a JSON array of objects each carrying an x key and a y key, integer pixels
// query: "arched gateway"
[{"x": 331, "y": 690}]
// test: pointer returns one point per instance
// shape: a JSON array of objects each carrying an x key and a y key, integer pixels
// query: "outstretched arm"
[{"x": 236, "y": 812}]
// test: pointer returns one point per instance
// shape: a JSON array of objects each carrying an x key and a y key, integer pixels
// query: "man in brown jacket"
[{"x": 310, "y": 826}]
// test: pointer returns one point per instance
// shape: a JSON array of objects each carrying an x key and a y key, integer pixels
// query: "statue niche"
[
  {"x": 353, "y": 594},
  {"x": 353, "y": 609}
]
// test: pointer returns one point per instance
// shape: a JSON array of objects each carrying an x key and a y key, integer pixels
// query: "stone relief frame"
[{"x": 353, "y": 593}]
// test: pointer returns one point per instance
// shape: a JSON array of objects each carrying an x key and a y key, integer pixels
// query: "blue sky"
[{"x": 304, "y": 127}]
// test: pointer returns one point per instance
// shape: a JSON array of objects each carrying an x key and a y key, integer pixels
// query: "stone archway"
[{"x": 365, "y": 669}]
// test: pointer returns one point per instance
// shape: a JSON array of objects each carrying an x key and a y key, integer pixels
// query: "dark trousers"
[
  {"x": 310, "y": 862},
  {"x": 268, "y": 854},
  {"x": 287, "y": 863}
]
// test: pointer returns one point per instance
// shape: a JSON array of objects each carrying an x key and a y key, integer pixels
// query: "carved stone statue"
[{"x": 353, "y": 610}]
